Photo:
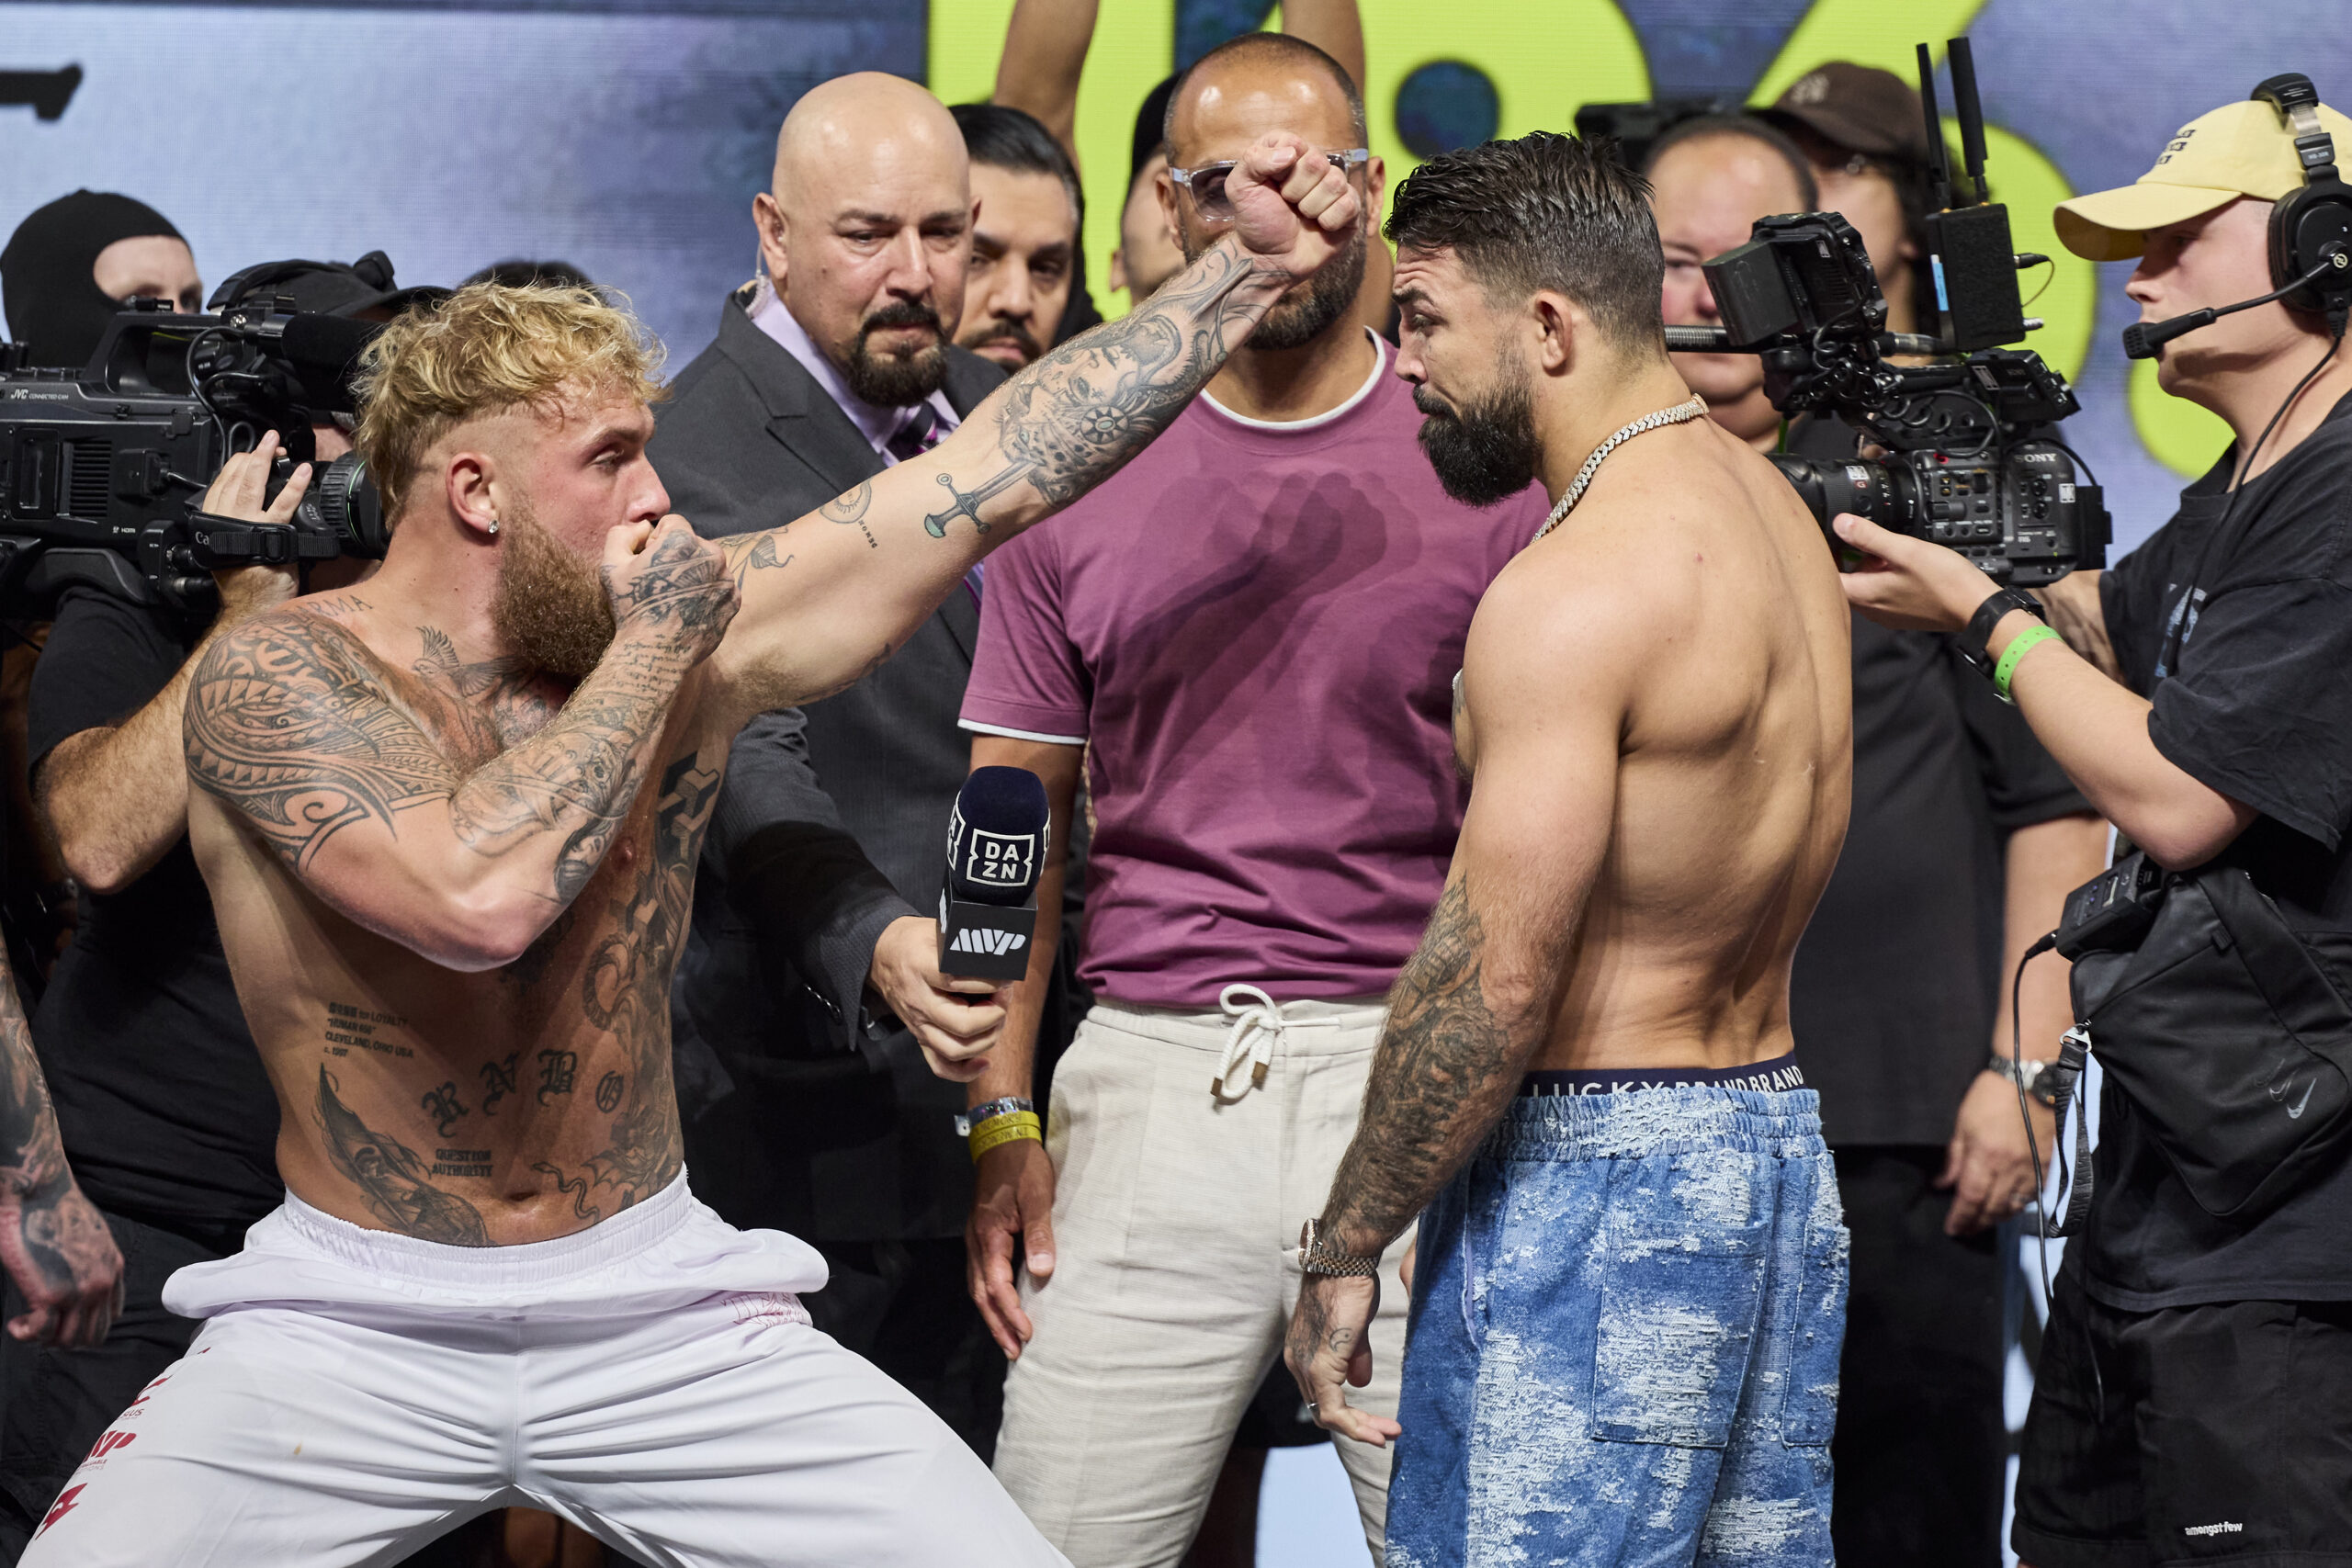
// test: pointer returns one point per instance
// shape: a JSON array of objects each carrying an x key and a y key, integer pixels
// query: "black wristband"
[{"x": 1989, "y": 616}]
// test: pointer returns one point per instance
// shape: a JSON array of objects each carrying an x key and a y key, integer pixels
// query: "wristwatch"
[
  {"x": 1010, "y": 1104},
  {"x": 1318, "y": 1255},
  {"x": 1989, "y": 616},
  {"x": 2037, "y": 1078}
]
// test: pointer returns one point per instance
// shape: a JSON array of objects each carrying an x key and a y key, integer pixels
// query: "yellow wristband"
[
  {"x": 1010, "y": 1127},
  {"x": 2019, "y": 646}
]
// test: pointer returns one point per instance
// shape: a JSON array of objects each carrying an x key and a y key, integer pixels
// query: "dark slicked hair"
[
  {"x": 1299, "y": 55},
  {"x": 1771, "y": 137},
  {"x": 1005, "y": 138},
  {"x": 1545, "y": 211}
]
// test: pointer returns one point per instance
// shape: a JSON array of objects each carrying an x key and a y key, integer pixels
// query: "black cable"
[{"x": 2025, "y": 1110}]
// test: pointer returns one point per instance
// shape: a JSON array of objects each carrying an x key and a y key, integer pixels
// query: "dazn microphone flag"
[{"x": 997, "y": 840}]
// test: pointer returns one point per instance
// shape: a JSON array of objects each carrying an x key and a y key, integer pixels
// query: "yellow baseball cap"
[{"x": 2241, "y": 149}]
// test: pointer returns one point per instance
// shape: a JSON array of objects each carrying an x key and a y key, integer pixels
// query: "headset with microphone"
[{"x": 2310, "y": 230}]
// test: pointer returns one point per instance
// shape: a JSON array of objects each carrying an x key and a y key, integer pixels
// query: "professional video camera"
[
  {"x": 1969, "y": 461},
  {"x": 102, "y": 470}
]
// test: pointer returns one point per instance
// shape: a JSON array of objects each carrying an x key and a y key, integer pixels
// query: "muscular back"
[
  {"x": 1685, "y": 631},
  {"x": 504, "y": 1104}
]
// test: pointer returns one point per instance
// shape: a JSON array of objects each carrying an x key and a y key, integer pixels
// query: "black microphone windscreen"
[
  {"x": 996, "y": 838},
  {"x": 2141, "y": 339}
]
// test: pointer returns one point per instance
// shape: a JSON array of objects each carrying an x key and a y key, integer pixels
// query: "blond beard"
[{"x": 552, "y": 609}]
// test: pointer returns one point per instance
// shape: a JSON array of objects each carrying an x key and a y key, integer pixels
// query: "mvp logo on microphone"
[{"x": 970, "y": 940}]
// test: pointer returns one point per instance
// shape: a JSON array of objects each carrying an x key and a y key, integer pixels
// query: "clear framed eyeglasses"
[{"x": 1214, "y": 203}]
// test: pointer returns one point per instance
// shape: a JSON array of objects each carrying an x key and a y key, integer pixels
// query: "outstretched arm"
[
  {"x": 1477, "y": 999},
  {"x": 289, "y": 727},
  {"x": 829, "y": 597},
  {"x": 53, "y": 1244}
]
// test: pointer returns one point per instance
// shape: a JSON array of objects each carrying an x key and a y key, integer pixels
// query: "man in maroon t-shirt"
[{"x": 1255, "y": 631}]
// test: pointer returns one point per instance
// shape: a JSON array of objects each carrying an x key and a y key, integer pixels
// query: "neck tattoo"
[{"x": 1679, "y": 413}]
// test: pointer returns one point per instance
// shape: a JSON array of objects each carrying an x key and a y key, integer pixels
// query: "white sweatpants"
[
  {"x": 1176, "y": 1219},
  {"x": 652, "y": 1379}
]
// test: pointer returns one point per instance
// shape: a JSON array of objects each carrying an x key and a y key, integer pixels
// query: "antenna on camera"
[
  {"x": 1971, "y": 111},
  {"x": 1939, "y": 170}
]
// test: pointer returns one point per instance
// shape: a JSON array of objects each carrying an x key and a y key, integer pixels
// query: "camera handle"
[{"x": 219, "y": 544}]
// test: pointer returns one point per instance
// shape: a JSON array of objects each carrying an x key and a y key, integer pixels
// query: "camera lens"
[{"x": 344, "y": 504}]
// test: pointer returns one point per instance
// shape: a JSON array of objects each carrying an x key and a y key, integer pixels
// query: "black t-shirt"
[
  {"x": 2256, "y": 701},
  {"x": 1897, "y": 980},
  {"x": 167, "y": 1114}
]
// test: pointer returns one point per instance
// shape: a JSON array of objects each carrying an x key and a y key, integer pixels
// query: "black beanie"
[{"x": 55, "y": 306}]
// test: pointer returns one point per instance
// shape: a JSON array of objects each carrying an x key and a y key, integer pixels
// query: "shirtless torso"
[
  {"x": 1733, "y": 765},
  {"x": 452, "y": 889},
  {"x": 510, "y": 1103}
]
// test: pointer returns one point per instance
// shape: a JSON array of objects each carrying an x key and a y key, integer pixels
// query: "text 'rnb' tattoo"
[
  {"x": 497, "y": 1081},
  {"x": 1071, "y": 420}
]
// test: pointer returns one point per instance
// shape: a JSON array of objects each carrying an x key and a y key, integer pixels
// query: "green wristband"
[{"x": 2019, "y": 646}]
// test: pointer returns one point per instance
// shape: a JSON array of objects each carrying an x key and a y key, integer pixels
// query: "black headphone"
[{"x": 2312, "y": 226}]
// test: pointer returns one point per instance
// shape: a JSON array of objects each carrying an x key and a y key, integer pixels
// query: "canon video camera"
[
  {"x": 1970, "y": 460},
  {"x": 102, "y": 470}
]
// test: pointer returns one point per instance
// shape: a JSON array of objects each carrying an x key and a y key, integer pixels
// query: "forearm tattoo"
[
  {"x": 1446, "y": 1069},
  {"x": 1073, "y": 419},
  {"x": 48, "y": 1233}
]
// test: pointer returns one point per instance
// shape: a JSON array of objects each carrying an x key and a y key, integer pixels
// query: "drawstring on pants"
[{"x": 1257, "y": 1029}]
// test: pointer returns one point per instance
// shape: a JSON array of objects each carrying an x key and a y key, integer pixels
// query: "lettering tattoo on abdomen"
[
  {"x": 351, "y": 1027},
  {"x": 393, "y": 1178},
  {"x": 443, "y": 1105},
  {"x": 497, "y": 1081},
  {"x": 557, "y": 1069}
]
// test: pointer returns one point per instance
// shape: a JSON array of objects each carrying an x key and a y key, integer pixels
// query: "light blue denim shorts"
[{"x": 1624, "y": 1336}]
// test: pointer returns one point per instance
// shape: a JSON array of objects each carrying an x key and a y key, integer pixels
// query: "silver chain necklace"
[{"x": 1679, "y": 413}]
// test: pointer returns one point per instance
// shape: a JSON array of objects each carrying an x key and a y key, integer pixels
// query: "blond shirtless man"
[
  {"x": 1623, "y": 1341},
  {"x": 449, "y": 820}
]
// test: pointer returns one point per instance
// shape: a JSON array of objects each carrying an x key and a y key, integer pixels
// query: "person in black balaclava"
[{"x": 70, "y": 265}]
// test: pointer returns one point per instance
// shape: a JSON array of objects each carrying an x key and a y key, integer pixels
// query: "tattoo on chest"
[
  {"x": 352, "y": 1028},
  {"x": 391, "y": 1177}
]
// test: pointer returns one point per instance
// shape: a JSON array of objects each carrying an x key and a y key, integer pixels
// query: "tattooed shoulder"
[{"x": 288, "y": 723}]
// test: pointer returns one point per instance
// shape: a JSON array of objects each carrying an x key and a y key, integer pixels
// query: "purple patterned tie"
[{"x": 918, "y": 435}]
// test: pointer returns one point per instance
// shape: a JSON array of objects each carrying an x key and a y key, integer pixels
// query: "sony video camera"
[
  {"x": 1970, "y": 460},
  {"x": 102, "y": 470}
]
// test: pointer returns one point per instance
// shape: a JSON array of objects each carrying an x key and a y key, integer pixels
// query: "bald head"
[
  {"x": 855, "y": 129},
  {"x": 868, "y": 231},
  {"x": 1269, "y": 80}
]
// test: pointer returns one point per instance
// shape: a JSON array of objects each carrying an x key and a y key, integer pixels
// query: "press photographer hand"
[{"x": 237, "y": 491}]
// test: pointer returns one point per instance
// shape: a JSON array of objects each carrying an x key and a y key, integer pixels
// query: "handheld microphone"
[
  {"x": 995, "y": 849},
  {"x": 2141, "y": 339}
]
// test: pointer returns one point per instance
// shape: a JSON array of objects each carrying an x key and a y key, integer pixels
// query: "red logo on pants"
[{"x": 65, "y": 1500}]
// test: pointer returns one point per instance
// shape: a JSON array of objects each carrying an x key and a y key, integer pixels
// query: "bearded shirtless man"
[
  {"x": 1623, "y": 1341},
  {"x": 449, "y": 820}
]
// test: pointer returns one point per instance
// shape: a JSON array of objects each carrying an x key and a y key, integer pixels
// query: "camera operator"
[
  {"x": 164, "y": 1108},
  {"x": 71, "y": 265},
  {"x": 1964, "y": 840},
  {"x": 2194, "y": 1398}
]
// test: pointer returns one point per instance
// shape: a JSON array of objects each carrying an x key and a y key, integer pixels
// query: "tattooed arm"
[
  {"x": 829, "y": 597},
  {"x": 1479, "y": 996},
  {"x": 52, "y": 1243},
  {"x": 290, "y": 728}
]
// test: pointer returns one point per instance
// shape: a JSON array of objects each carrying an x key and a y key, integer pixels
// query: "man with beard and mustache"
[
  {"x": 811, "y": 985},
  {"x": 452, "y": 884},
  {"x": 1253, "y": 631},
  {"x": 1632, "y": 1281}
]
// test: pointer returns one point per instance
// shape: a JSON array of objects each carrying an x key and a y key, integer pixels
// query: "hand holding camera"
[{"x": 239, "y": 492}]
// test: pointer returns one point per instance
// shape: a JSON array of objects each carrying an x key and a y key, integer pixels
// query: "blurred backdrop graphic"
[{"x": 629, "y": 136}]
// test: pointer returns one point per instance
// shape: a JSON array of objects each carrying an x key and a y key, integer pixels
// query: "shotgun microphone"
[
  {"x": 2141, "y": 339},
  {"x": 995, "y": 849}
]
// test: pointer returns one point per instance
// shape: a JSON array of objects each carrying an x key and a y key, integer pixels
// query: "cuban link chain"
[{"x": 1677, "y": 415}]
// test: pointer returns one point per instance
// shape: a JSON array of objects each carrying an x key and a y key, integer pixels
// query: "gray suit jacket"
[{"x": 831, "y": 824}]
